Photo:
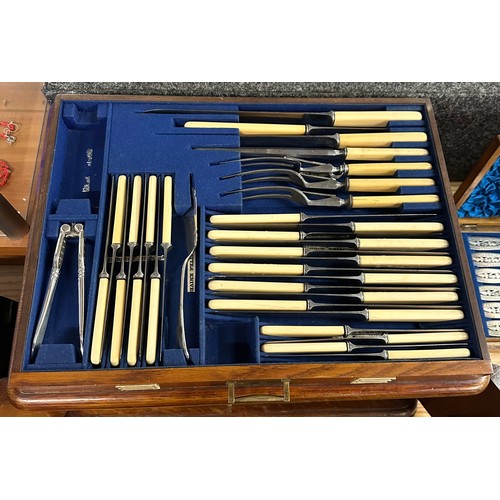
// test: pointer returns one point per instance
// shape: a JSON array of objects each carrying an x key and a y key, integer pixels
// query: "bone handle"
[
  {"x": 135, "y": 210},
  {"x": 255, "y": 286},
  {"x": 252, "y": 128},
  {"x": 409, "y": 297},
  {"x": 379, "y": 228},
  {"x": 243, "y": 219},
  {"x": 99, "y": 322},
  {"x": 119, "y": 210},
  {"x": 237, "y": 251},
  {"x": 415, "y": 315},
  {"x": 302, "y": 330},
  {"x": 257, "y": 305},
  {"x": 415, "y": 338},
  {"x": 135, "y": 319},
  {"x": 402, "y": 244},
  {"x": 152, "y": 335},
  {"x": 373, "y": 118},
  {"x": 428, "y": 353},
  {"x": 387, "y": 185},
  {"x": 303, "y": 347},
  {"x": 382, "y": 154},
  {"x": 369, "y": 169},
  {"x": 151, "y": 210},
  {"x": 404, "y": 261},
  {"x": 261, "y": 269},
  {"x": 167, "y": 211},
  {"x": 118, "y": 320},
  {"x": 392, "y": 201},
  {"x": 237, "y": 235},
  {"x": 409, "y": 279},
  {"x": 380, "y": 139}
]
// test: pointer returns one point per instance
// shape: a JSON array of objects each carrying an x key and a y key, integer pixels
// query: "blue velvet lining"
[
  {"x": 96, "y": 140},
  {"x": 484, "y": 201}
]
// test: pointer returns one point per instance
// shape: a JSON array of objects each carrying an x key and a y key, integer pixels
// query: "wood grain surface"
[{"x": 24, "y": 104}]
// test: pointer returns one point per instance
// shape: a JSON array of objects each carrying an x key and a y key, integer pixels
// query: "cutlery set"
[{"x": 336, "y": 216}]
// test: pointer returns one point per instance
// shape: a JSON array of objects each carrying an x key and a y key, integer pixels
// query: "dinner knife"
[
  {"x": 368, "y": 314},
  {"x": 330, "y": 118}
]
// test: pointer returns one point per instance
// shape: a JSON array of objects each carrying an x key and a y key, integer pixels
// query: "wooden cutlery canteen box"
[
  {"x": 243, "y": 256},
  {"x": 478, "y": 204}
]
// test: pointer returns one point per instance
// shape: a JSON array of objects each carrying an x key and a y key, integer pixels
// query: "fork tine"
[{"x": 288, "y": 192}]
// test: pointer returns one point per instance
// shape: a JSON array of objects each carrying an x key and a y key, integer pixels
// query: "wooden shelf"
[{"x": 24, "y": 104}]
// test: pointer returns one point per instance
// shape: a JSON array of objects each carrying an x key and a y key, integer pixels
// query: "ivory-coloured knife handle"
[
  {"x": 261, "y": 269},
  {"x": 167, "y": 211},
  {"x": 244, "y": 235},
  {"x": 152, "y": 334},
  {"x": 411, "y": 261},
  {"x": 409, "y": 297},
  {"x": 379, "y": 228},
  {"x": 303, "y": 347},
  {"x": 409, "y": 279},
  {"x": 121, "y": 191},
  {"x": 151, "y": 210},
  {"x": 373, "y": 118},
  {"x": 392, "y": 201},
  {"x": 249, "y": 129},
  {"x": 118, "y": 320},
  {"x": 380, "y": 139},
  {"x": 415, "y": 315},
  {"x": 302, "y": 330},
  {"x": 462, "y": 352},
  {"x": 257, "y": 305},
  {"x": 372, "y": 169},
  {"x": 382, "y": 154},
  {"x": 402, "y": 244},
  {"x": 237, "y": 251},
  {"x": 386, "y": 185},
  {"x": 135, "y": 320},
  {"x": 426, "y": 338},
  {"x": 135, "y": 210},
  {"x": 255, "y": 286},
  {"x": 99, "y": 322},
  {"x": 244, "y": 219}
]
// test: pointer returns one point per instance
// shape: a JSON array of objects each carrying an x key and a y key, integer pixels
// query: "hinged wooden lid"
[{"x": 481, "y": 179}]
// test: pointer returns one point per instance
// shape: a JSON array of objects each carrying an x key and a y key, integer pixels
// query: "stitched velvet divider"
[{"x": 98, "y": 140}]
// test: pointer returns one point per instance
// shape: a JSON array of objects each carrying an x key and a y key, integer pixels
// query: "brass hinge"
[{"x": 283, "y": 396}]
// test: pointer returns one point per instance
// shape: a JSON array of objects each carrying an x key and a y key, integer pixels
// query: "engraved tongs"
[{"x": 65, "y": 231}]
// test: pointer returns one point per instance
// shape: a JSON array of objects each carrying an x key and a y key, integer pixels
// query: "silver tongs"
[{"x": 65, "y": 231}]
